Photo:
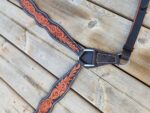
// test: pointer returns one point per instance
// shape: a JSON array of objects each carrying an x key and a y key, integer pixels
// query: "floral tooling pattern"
[
  {"x": 58, "y": 91},
  {"x": 45, "y": 22}
]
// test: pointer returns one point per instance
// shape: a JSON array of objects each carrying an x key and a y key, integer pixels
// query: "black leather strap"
[
  {"x": 103, "y": 58},
  {"x": 128, "y": 47},
  {"x": 94, "y": 58}
]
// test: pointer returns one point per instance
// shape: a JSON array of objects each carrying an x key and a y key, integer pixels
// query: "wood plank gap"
[
  {"x": 48, "y": 72},
  {"x": 14, "y": 4},
  {"x": 68, "y": 57},
  {"x": 123, "y": 16},
  {"x": 72, "y": 88},
  {"x": 81, "y": 44},
  {"x": 53, "y": 46},
  {"x": 87, "y": 101},
  {"x": 130, "y": 19},
  {"x": 132, "y": 76},
  {"x": 27, "y": 55},
  {"x": 17, "y": 93},
  {"x": 61, "y": 52},
  {"x": 109, "y": 10},
  {"x": 38, "y": 36},
  {"x": 122, "y": 91}
]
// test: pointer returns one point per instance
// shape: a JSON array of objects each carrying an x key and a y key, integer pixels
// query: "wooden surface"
[{"x": 29, "y": 58}]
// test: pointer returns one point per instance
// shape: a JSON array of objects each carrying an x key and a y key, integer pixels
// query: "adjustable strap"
[
  {"x": 128, "y": 47},
  {"x": 90, "y": 58}
]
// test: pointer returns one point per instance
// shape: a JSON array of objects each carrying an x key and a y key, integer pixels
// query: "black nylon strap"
[{"x": 128, "y": 47}]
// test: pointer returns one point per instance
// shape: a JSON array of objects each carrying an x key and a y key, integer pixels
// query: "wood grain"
[
  {"x": 31, "y": 47},
  {"x": 126, "y": 8},
  {"x": 32, "y": 82},
  {"x": 109, "y": 33},
  {"x": 22, "y": 69},
  {"x": 10, "y": 102}
]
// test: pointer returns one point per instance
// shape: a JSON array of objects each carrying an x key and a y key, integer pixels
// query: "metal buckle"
[
  {"x": 87, "y": 58},
  {"x": 90, "y": 58},
  {"x": 122, "y": 61}
]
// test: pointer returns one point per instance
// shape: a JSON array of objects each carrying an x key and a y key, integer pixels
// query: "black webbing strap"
[{"x": 128, "y": 47}]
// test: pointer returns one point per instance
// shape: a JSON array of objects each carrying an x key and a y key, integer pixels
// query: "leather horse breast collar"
[{"x": 88, "y": 57}]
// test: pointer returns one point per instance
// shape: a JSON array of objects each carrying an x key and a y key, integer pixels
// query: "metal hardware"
[
  {"x": 90, "y": 58},
  {"x": 87, "y": 58},
  {"x": 122, "y": 61}
]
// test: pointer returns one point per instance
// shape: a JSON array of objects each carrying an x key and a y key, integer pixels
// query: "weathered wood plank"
[
  {"x": 10, "y": 102},
  {"x": 88, "y": 76},
  {"x": 32, "y": 82},
  {"x": 108, "y": 34},
  {"x": 18, "y": 67},
  {"x": 99, "y": 28},
  {"x": 114, "y": 77},
  {"x": 126, "y": 8}
]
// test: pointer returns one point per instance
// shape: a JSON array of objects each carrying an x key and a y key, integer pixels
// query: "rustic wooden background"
[{"x": 30, "y": 61}]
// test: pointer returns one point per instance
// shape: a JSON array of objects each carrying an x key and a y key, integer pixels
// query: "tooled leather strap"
[
  {"x": 59, "y": 90},
  {"x": 62, "y": 86},
  {"x": 88, "y": 57},
  {"x": 55, "y": 30},
  {"x": 138, "y": 20}
]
